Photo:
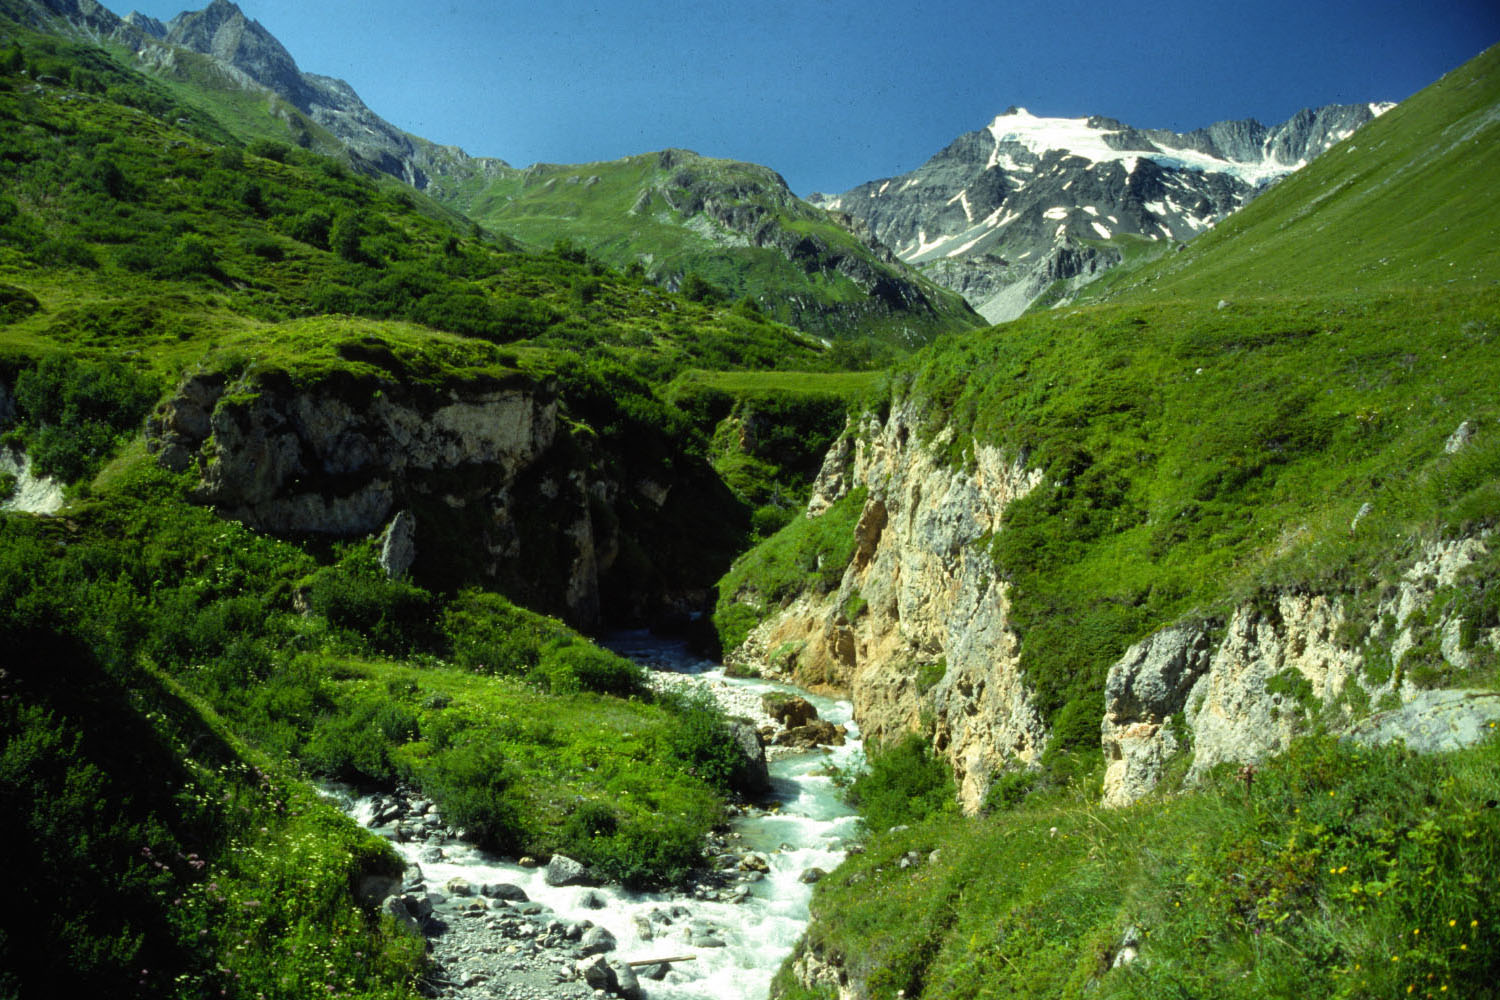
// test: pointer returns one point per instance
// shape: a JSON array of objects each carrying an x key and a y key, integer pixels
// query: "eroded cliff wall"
[
  {"x": 506, "y": 488},
  {"x": 918, "y": 632}
]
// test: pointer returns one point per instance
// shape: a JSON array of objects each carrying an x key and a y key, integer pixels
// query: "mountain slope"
[
  {"x": 1148, "y": 555},
  {"x": 1004, "y": 212},
  {"x": 1405, "y": 203},
  {"x": 1035, "y": 500},
  {"x": 735, "y": 224},
  {"x": 245, "y": 60}
]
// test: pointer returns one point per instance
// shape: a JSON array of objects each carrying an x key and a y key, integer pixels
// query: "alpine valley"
[{"x": 342, "y": 474}]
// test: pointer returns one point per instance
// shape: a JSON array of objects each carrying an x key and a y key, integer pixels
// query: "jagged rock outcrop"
[
  {"x": 928, "y": 645},
  {"x": 933, "y": 637},
  {"x": 1240, "y": 690},
  {"x": 1004, "y": 213}
]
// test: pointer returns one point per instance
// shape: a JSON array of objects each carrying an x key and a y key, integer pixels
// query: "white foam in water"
[{"x": 809, "y": 831}]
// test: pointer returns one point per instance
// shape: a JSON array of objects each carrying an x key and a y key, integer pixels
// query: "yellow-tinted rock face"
[{"x": 929, "y": 647}]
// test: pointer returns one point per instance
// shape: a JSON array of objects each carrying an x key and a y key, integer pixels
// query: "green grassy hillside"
[
  {"x": 685, "y": 219},
  {"x": 174, "y": 680},
  {"x": 1209, "y": 435}
]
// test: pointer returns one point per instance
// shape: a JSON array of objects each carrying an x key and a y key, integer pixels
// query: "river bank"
[{"x": 519, "y": 929}]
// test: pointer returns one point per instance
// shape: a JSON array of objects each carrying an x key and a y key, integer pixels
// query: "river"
[{"x": 735, "y": 947}]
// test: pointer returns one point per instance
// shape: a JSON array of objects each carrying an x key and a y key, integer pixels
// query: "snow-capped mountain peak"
[{"x": 1005, "y": 211}]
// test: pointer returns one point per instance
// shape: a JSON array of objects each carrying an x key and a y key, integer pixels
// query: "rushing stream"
[{"x": 736, "y": 946}]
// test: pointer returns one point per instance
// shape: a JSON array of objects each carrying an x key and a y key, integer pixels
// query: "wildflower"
[
  {"x": 1453, "y": 923},
  {"x": 1473, "y": 923}
]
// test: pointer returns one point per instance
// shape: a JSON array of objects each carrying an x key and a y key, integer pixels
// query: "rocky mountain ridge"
[
  {"x": 1006, "y": 212},
  {"x": 249, "y": 57},
  {"x": 732, "y": 223}
]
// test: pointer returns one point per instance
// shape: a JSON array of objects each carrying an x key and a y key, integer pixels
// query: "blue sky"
[{"x": 832, "y": 93}]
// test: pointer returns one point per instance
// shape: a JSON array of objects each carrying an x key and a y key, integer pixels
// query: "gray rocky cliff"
[
  {"x": 497, "y": 489},
  {"x": 1238, "y": 691}
]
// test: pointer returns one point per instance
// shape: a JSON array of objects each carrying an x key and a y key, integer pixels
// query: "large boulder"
[
  {"x": 564, "y": 871},
  {"x": 751, "y": 775},
  {"x": 818, "y": 733},
  {"x": 1433, "y": 721},
  {"x": 788, "y": 709},
  {"x": 596, "y": 941},
  {"x": 596, "y": 972}
]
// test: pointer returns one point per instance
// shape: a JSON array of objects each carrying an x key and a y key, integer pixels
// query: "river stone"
[
  {"x": 596, "y": 941},
  {"x": 564, "y": 871},
  {"x": 591, "y": 900},
  {"x": 595, "y": 971},
  {"x": 812, "y": 875},
  {"x": 751, "y": 773},
  {"x": 504, "y": 890},
  {"x": 819, "y": 732},
  {"x": 656, "y": 972},
  {"x": 459, "y": 886},
  {"x": 1433, "y": 721},
  {"x": 626, "y": 984},
  {"x": 755, "y": 863},
  {"x": 399, "y": 907},
  {"x": 788, "y": 709}
]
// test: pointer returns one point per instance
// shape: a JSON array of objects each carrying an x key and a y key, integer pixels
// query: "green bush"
[
  {"x": 905, "y": 783},
  {"x": 355, "y": 594},
  {"x": 702, "y": 740},
  {"x": 472, "y": 786},
  {"x": 74, "y": 412}
]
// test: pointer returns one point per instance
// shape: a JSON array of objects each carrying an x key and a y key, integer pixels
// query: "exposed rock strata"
[
  {"x": 1239, "y": 691},
  {"x": 932, "y": 604}
]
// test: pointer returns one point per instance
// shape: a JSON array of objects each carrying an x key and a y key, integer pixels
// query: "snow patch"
[
  {"x": 1104, "y": 233},
  {"x": 1056, "y": 212},
  {"x": 924, "y": 248},
  {"x": 1077, "y": 137},
  {"x": 1091, "y": 210},
  {"x": 960, "y": 251},
  {"x": 963, "y": 199}
]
